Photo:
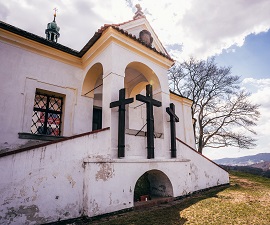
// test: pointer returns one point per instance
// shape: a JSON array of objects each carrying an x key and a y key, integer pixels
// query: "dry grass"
[{"x": 245, "y": 201}]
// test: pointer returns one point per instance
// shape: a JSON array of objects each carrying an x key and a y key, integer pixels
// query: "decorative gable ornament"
[
  {"x": 139, "y": 14},
  {"x": 146, "y": 37}
]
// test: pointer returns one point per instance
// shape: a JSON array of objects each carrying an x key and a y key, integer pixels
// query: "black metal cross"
[
  {"x": 121, "y": 120},
  {"x": 150, "y": 102},
  {"x": 173, "y": 118}
]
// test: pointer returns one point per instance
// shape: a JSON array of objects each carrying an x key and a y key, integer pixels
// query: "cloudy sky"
[{"x": 236, "y": 32}]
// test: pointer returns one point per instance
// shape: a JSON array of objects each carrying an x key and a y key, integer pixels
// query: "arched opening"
[
  {"x": 92, "y": 88},
  {"x": 137, "y": 76},
  {"x": 151, "y": 185}
]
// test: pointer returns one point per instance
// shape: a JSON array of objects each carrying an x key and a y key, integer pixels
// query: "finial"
[
  {"x": 54, "y": 15},
  {"x": 139, "y": 14},
  {"x": 138, "y": 6}
]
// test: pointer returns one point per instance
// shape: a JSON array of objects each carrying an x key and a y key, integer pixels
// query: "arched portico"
[
  {"x": 137, "y": 76},
  {"x": 137, "y": 72},
  {"x": 90, "y": 80},
  {"x": 152, "y": 184},
  {"x": 92, "y": 88}
]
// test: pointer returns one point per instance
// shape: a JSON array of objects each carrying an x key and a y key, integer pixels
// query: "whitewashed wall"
[
  {"x": 47, "y": 183},
  {"x": 110, "y": 183},
  {"x": 79, "y": 177},
  {"x": 21, "y": 73},
  {"x": 203, "y": 172}
]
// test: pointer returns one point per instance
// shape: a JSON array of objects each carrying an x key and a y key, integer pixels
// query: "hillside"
[
  {"x": 245, "y": 160},
  {"x": 262, "y": 165}
]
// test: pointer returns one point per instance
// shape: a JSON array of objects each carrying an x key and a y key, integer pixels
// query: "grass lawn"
[{"x": 245, "y": 201}]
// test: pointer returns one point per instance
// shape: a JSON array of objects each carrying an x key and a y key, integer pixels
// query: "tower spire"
[{"x": 52, "y": 31}]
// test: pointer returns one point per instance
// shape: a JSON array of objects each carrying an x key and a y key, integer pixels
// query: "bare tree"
[{"x": 222, "y": 111}]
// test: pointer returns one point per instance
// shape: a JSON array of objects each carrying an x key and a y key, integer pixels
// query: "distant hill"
[
  {"x": 245, "y": 160},
  {"x": 262, "y": 165}
]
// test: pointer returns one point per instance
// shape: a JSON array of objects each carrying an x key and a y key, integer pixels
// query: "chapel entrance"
[{"x": 151, "y": 185}]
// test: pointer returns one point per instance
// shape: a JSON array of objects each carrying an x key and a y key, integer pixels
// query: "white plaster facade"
[{"x": 81, "y": 175}]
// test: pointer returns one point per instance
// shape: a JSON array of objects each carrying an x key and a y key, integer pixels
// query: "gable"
[{"x": 134, "y": 27}]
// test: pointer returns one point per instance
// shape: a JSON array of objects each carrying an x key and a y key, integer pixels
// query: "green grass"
[{"x": 245, "y": 201}]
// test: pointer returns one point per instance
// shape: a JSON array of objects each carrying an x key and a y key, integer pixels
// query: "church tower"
[{"x": 52, "y": 31}]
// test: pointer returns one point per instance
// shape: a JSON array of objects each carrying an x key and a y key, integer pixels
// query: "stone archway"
[
  {"x": 152, "y": 184},
  {"x": 92, "y": 89}
]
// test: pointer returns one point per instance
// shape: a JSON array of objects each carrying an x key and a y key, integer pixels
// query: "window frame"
[{"x": 46, "y": 122}]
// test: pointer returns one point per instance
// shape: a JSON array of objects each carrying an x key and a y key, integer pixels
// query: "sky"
[{"x": 235, "y": 32}]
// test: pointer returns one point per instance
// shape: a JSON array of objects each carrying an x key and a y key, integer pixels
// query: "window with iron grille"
[{"x": 47, "y": 114}]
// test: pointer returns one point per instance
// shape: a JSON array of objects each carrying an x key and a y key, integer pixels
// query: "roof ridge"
[{"x": 88, "y": 45}]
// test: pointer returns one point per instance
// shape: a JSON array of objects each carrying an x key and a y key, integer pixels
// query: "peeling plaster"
[
  {"x": 110, "y": 198},
  {"x": 69, "y": 211},
  {"x": 42, "y": 154},
  {"x": 71, "y": 181},
  {"x": 106, "y": 171},
  {"x": 95, "y": 207},
  {"x": 194, "y": 171},
  {"x": 29, "y": 213}
]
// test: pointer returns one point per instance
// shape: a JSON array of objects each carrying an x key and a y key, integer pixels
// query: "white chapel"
[{"x": 80, "y": 129}]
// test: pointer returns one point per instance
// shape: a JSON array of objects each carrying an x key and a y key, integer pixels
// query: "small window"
[{"x": 47, "y": 114}]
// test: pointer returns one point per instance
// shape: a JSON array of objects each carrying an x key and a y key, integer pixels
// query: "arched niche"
[
  {"x": 152, "y": 184},
  {"x": 92, "y": 88},
  {"x": 137, "y": 76}
]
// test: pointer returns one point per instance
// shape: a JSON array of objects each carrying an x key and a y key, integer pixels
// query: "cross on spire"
[
  {"x": 150, "y": 103},
  {"x": 54, "y": 15},
  {"x": 173, "y": 119},
  {"x": 52, "y": 31},
  {"x": 121, "y": 103}
]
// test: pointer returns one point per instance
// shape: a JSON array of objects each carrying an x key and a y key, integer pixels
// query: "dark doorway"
[
  {"x": 142, "y": 187},
  {"x": 97, "y": 119},
  {"x": 151, "y": 185}
]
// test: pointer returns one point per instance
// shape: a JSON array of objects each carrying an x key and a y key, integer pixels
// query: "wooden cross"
[
  {"x": 173, "y": 118},
  {"x": 150, "y": 102},
  {"x": 121, "y": 120}
]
